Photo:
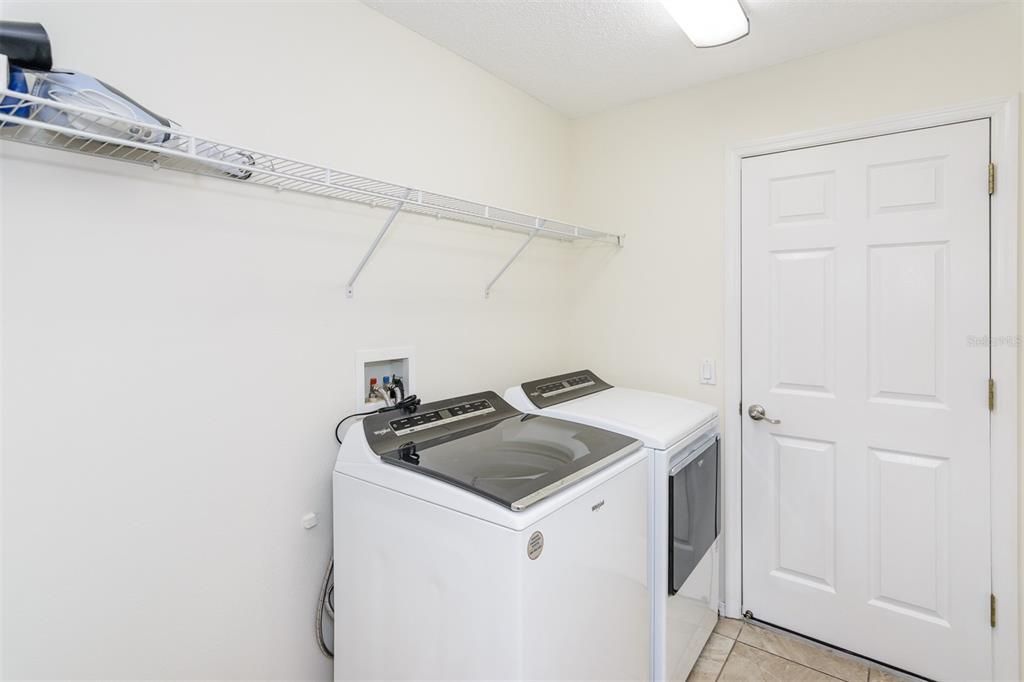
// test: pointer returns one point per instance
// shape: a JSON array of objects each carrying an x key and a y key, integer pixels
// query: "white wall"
[
  {"x": 176, "y": 350},
  {"x": 656, "y": 170}
]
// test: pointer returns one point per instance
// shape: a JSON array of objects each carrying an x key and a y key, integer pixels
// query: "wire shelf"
[{"x": 57, "y": 125}]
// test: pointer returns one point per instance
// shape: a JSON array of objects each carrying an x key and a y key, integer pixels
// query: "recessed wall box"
[{"x": 379, "y": 368}]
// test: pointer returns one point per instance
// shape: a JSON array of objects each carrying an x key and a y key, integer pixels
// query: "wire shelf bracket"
[
  {"x": 509, "y": 262},
  {"x": 350, "y": 287},
  {"x": 63, "y": 126}
]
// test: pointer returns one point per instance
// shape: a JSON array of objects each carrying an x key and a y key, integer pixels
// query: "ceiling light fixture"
[{"x": 709, "y": 23}]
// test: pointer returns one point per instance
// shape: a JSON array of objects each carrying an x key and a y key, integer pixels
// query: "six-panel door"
[{"x": 865, "y": 291}]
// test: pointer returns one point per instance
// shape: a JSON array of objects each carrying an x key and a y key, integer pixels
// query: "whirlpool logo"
[{"x": 597, "y": 506}]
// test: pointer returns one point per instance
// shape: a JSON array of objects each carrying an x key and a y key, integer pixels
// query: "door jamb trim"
[{"x": 1004, "y": 114}]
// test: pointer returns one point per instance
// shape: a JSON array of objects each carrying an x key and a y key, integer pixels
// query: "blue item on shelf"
[
  {"x": 13, "y": 106},
  {"x": 88, "y": 106}
]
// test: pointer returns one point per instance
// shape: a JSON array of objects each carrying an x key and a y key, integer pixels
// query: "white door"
[{"x": 866, "y": 508}]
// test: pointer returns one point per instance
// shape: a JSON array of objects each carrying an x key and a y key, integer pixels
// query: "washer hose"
[{"x": 325, "y": 603}]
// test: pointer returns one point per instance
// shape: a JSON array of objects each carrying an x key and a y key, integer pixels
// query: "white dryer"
[
  {"x": 681, "y": 438},
  {"x": 472, "y": 541}
]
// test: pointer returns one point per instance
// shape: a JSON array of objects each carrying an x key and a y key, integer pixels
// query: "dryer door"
[{"x": 692, "y": 512}]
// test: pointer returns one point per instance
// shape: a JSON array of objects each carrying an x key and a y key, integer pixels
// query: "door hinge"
[
  {"x": 991, "y": 178},
  {"x": 992, "y": 609},
  {"x": 991, "y": 395}
]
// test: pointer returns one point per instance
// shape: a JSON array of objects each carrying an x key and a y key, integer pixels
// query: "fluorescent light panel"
[{"x": 708, "y": 23}]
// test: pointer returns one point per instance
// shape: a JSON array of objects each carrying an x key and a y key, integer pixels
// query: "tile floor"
[{"x": 739, "y": 651}]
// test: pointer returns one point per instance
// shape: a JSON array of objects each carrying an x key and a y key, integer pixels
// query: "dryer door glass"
[{"x": 692, "y": 513}]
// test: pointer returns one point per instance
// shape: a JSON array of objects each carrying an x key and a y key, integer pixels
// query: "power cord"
[
  {"x": 407, "y": 404},
  {"x": 337, "y": 437}
]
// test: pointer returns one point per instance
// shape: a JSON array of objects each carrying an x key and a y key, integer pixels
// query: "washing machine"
[
  {"x": 682, "y": 441},
  {"x": 473, "y": 541}
]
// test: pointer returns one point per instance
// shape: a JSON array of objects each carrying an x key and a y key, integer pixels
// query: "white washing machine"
[
  {"x": 681, "y": 438},
  {"x": 472, "y": 541}
]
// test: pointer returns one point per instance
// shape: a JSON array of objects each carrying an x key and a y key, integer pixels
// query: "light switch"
[{"x": 707, "y": 372}]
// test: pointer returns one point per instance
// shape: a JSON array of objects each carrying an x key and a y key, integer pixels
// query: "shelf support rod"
[
  {"x": 350, "y": 287},
  {"x": 522, "y": 247}
]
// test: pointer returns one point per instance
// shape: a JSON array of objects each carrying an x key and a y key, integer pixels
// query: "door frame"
[{"x": 1004, "y": 114}]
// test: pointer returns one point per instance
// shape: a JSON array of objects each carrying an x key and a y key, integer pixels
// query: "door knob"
[{"x": 756, "y": 413}]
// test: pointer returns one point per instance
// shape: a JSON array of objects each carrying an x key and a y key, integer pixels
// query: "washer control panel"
[
  {"x": 434, "y": 422},
  {"x": 558, "y": 389},
  {"x": 447, "y": 415}
]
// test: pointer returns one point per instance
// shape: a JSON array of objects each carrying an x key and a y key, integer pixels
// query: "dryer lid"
[
  {"x": 659, "y": 420},
  {"x": 481, "y": 444}
]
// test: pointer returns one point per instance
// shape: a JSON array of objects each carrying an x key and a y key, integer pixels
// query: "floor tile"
[
  {"x": 711, "y": 660},
  {"x": 879, "y": 675},
  {"x": 729, "y": 627},
  {"x": 804, "y": 652},
  {"x": 747, "y": 664}
]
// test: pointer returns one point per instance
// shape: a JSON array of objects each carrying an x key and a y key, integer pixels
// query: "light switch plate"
[{"x": 707, "y": 372}]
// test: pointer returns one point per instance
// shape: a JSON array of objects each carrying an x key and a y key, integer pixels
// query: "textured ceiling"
[{"x": 581, "y": 57}]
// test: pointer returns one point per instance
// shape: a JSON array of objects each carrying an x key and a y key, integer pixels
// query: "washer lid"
[
  {"x": 502, "y": 454},
  {"x": 659, "y": 420}
]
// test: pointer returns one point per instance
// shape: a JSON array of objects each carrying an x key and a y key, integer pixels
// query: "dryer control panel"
[{"x": 558, "y": 389}]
